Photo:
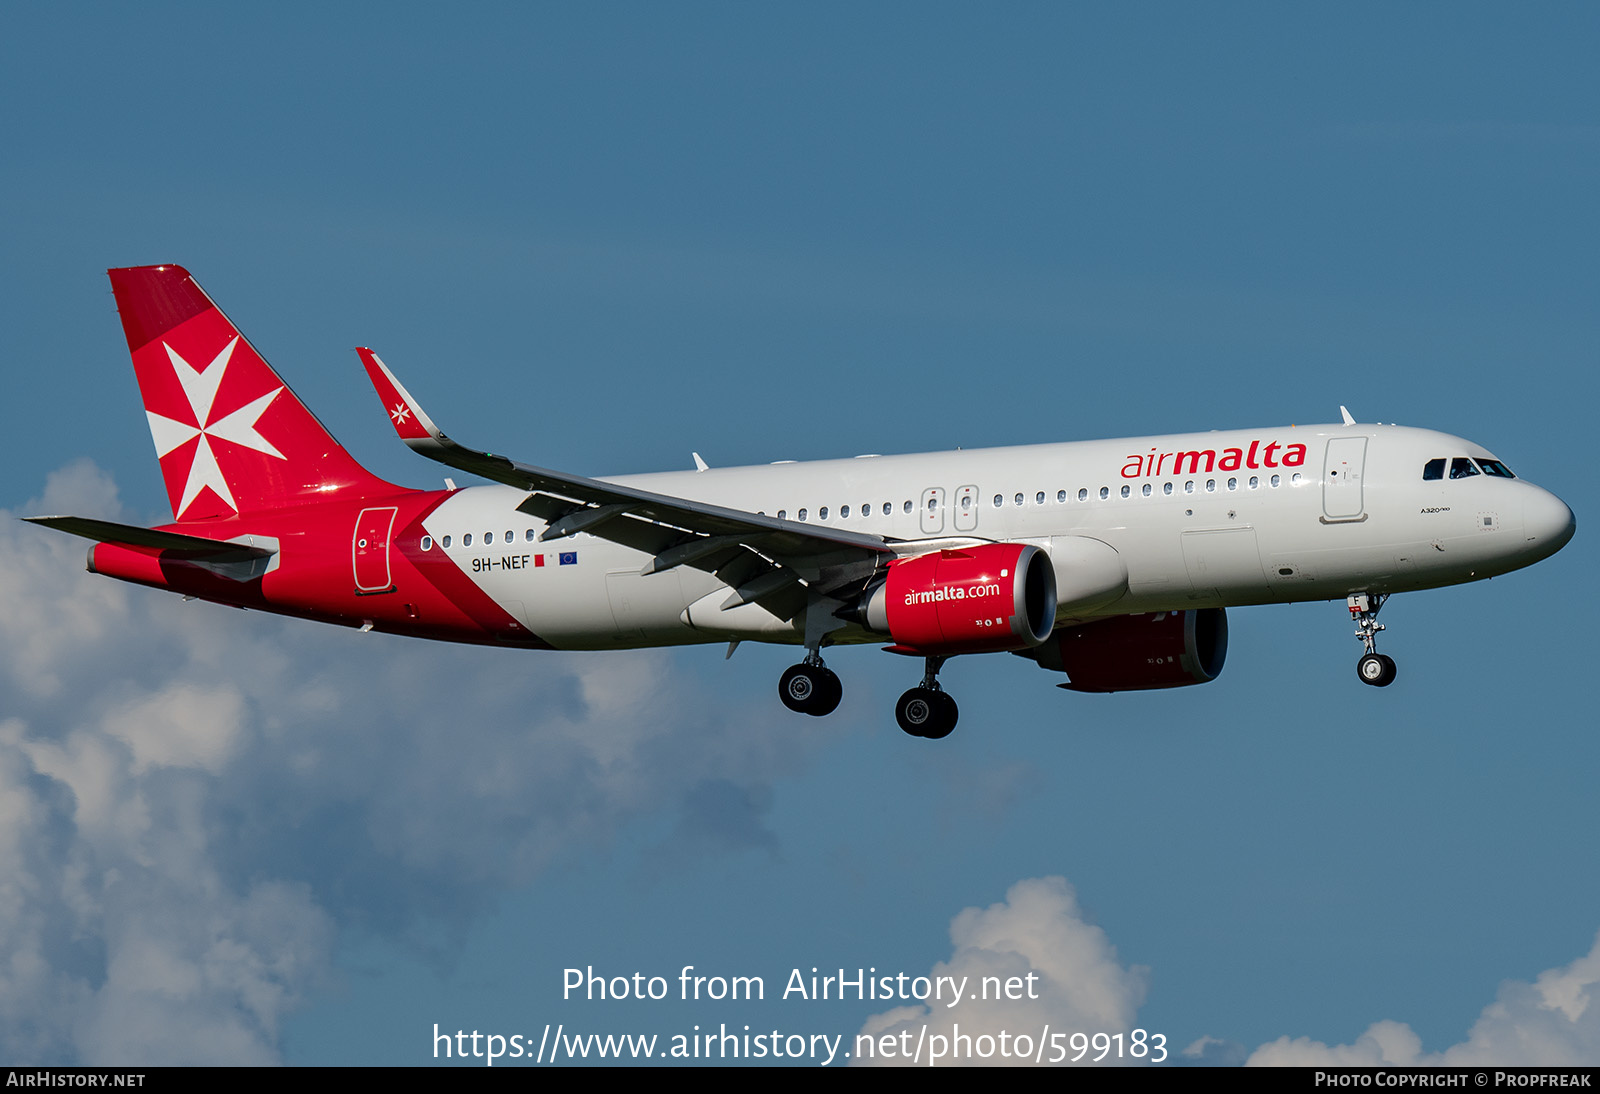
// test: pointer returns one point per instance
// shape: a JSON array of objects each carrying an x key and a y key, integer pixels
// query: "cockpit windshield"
[{"x": 1463, "y": 468}]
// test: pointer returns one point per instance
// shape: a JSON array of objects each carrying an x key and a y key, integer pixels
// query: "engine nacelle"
[
  {"x": 995, "y": 596},
  {"x": 1140, "y": 652}
]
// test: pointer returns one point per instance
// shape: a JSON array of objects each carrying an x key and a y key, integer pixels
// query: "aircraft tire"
[
  {"x": 829, "y": 691},
  {"x": 923, "y": 712},
  {"x": 1376, "y": 669},
  {"x": 945, "y": 714},
  {"x": 810, "y": 689},
  {"x": 1389, "y": 670}
]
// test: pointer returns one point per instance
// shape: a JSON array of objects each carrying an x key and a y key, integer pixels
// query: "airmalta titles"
[{"x": 1205, "y": 460}]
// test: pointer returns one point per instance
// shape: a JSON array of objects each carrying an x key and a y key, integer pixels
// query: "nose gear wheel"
[{"x": 1374, "y": 668}]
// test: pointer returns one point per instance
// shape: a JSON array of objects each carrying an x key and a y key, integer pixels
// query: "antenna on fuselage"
[{"x": 1346, "y": 415}]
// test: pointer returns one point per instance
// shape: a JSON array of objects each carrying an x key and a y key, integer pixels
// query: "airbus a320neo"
[{"x": 1111, "y": 562}]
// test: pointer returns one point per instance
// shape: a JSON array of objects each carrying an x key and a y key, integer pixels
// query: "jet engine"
[
  {"x": 995, "y": 596},
  {"x": 1139, "y": 652}
]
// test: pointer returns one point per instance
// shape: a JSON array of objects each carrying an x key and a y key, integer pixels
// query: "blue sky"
[{"x": 600, "y": 237}]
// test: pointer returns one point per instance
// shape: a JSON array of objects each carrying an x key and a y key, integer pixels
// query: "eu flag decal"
[{"x": 569, "y": 558}]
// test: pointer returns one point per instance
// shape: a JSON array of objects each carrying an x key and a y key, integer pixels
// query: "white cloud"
[
  {"x": 192, "y": 798},
  {"x": 41, "y": 628},
  {"x": 1038, "y": 929},
  {"x": 1550, "y": 1022},
  {"x": 185, "y": 725}
]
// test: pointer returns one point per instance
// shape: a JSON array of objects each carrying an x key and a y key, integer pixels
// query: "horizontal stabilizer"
[{"x": 105, "y": 531}]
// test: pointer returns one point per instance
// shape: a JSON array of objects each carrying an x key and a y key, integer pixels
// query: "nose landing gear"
[
  {"x": 1374, "y": 668},
  {"x": 927, "y": 710}
]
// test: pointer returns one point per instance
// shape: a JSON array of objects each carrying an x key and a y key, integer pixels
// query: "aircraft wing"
[{"x": 763, "y": 559}]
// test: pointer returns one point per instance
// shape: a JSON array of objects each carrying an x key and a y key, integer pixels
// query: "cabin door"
[
  {"x": 370, "y": 550},
  {"x": 1341, "y": 478}
]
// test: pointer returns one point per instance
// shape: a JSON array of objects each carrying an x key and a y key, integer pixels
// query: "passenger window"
[
  {"x": 445, "y": 541},
  {"x": 529, "y": 536},
  {"x": 783, "y": 514},
  {"x": 1433, "y": 469},
  {"x": 1083, "y": 494},
  {"x": 907, "y": 505},
  {"x": 1018, "y": 500},
  {"x": 1146, "y": 490},
  {"x": 1461, "y": 468},
  {"x": 1233, "y": 484},
  {"x": 1166, "y": 488},
  {"x": 844, "y": 511},
  {"x": 488, "y": 538},
  {"x": 1061, "y": 496},
  {"x": 822, "y": 514},
  {"x": 466, "y": 540},
  {"x": 1254, "y": 482},
  {"x": 1188, "y": 487},
  {"x": 1039, "y": 498},
  {"x": 1105, "y": 492},
  {"x": 999, "y": 501},
  {"x": 1126, "y": 491},
  {"x": 802, "y": 514},
  {"x": 1211, "y": 486},
  {"x": 1276, "y": 479},
  {"x": 510, "y": 538},
  {"x": 888, "y": 508},
  {"x": 427, "y": 543}
]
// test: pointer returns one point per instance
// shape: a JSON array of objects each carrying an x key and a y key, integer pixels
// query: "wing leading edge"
[{"x": 778, "y": 564}]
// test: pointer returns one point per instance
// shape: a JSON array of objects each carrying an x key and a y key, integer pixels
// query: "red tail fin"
[{"x": 230, "y": 435}]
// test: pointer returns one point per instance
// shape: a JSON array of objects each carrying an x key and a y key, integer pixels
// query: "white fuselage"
[{"x": 1133, "y": 525}]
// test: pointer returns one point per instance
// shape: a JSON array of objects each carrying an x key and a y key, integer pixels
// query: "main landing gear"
[
  {"x": 927, "y": 710},
  {"x": 810, "y": 687},
  {"x": 1374, "y": 668}
]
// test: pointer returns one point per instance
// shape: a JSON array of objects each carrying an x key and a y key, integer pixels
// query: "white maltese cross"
[{"x": 239, "y": 427}]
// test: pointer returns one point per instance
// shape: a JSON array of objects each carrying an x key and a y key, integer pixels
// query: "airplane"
[{"x": 1110, "y": 562}]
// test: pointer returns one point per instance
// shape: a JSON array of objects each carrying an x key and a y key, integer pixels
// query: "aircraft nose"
[{"x": 1547, "y": 522}]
